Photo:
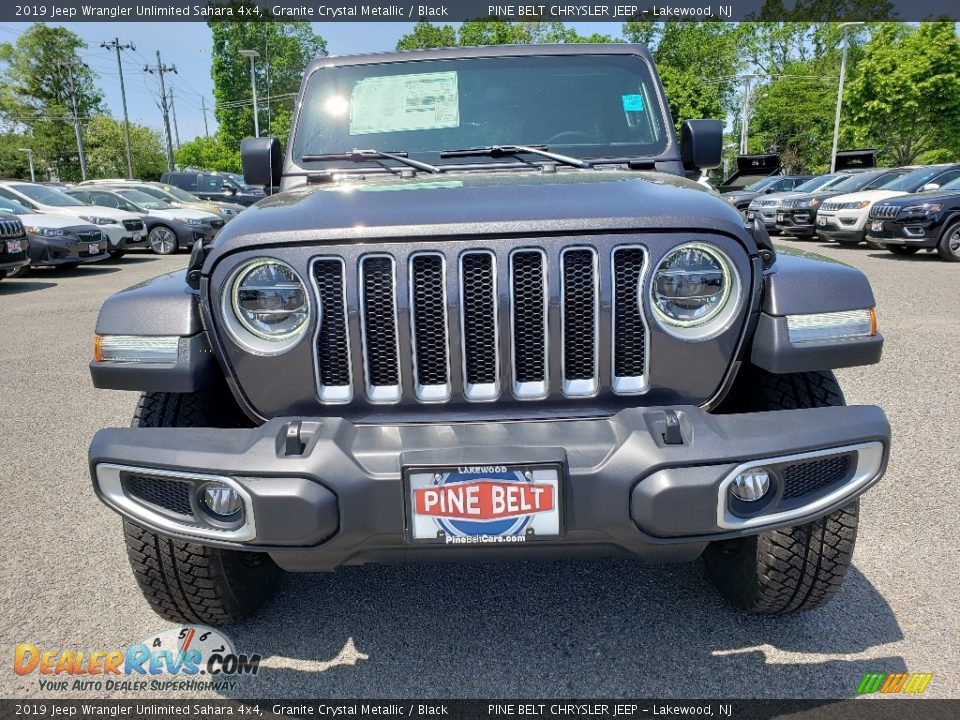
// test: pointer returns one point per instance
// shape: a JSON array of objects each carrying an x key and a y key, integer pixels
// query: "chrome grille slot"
[
  {"x": 379, "y": 322},
  {"x": 629, "y": 323},
  {"x": 428, "y": 310},
  {"x": 334, "y": 377},
  {"x": 884, "y": 212},
  {"x": 528, "y": 321},
  {"x": 579, "y": 321},
  {"x": 478, "y": 307}
]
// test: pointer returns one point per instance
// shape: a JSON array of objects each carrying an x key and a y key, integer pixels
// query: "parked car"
[
  {"x": 168, "y": 228},
  {"x": 494, "y": 350},
  {"x": 797, "y": 216},
  {"x": 14, "y": 245},
  {"x": 119, "y": 226},
  {"x": 926, "y": 220},
  {"x": 843, "y": 219},
  {"x": 213, "y": 186},
  {"x": 764, "y": 207},
  {"x": 772, "y": 184},
  {"x": 175, "y": 197},
  {"x": 56, "y": 240}
]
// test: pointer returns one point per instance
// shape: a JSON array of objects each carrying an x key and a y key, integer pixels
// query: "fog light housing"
[
  {"x": 220, "y": 501},
  {"x": 826, "y": 327},
  {"x": 136, "y": 348},
  {"x": 751, "y": 485}
]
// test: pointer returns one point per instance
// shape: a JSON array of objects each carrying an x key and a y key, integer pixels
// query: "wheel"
[
  {"x": 189, "y": 582},
  {"x": 790, "y": 569},
  {"x": 162, "y": 240},
  {"x": 902, "y": 249},
  {"x": 949, "y": 247},
  {"x": 18, "y": 272},
  {"x": 117, "y": 254}
]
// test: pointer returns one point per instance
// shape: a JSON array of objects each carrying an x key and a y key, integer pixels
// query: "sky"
[{"x": 187, "y": 46}]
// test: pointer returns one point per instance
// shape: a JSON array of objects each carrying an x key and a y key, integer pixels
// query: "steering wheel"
[{"x": 572, "y": 136}]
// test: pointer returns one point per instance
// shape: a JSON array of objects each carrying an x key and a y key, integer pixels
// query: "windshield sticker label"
[
  {"x": 632, "y": 103},
  {"x": 398, "y": 103}
]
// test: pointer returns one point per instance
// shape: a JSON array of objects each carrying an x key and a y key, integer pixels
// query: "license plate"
[
  {"x": 137, "y": 237},
  {"x": 781, "y": 217},
  {"x": 876, "y": 226},
  {"x": 14, "y": 246},
  {"x": 94, "y": 249},
  {"x": 750, "y": 214},
  {"x": 483, "y": 505},
  {"x": 821, "y": 221}
]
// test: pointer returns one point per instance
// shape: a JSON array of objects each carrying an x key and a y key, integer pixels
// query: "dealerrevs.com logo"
[{"x": 186, "y": 657}]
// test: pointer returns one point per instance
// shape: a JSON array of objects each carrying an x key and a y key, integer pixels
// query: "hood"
[
  {"x": 474, "y": 203},
  {"x": 183, "y": 212},
  {"x": 735, "y": 195},
  {"x": 871, "y": 195},
  {"x": 51, "y": 220},
  {"x": 94, "y": 211},
  {"x": 922, "y": 197}
]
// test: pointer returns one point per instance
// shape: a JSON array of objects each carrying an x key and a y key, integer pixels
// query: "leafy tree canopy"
[{"x": 209, "y": 154}]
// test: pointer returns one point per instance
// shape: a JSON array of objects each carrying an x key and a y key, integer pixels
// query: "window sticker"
[
  {"x": 398, "y": 103},
  {"x": 632, "y": 103}
]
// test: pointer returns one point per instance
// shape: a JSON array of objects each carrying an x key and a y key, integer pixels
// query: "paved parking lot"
[{"x": 515, "y": 630}]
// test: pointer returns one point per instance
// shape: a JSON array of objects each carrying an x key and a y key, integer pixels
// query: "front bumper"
[
  {"x": 766, "y": 215},
  {"x": 47, "y": 251},
  {"x": 13, "y": 260},
  {"x": 798, "y": 223},
  {"x": 339, "y": 497},
  {"x": 919, "y": 233}
]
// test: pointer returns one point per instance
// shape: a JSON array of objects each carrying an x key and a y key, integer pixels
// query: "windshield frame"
[{"x": 668, "y": 152}]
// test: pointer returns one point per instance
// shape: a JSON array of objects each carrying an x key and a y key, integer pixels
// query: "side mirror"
[
  {"x": 701, "y": 144},
  {"x": 767, "y": 191},
  {"x": 262, "y": 161},
  {"x": 930, "y": 186}
]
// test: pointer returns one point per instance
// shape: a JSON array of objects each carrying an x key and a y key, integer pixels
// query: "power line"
[{"x": 161, "y": 69}]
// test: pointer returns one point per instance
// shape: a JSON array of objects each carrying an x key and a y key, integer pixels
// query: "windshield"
[
  {"x": 854, "y": 182},
  {"x": 12, "y": 206},
  {"x": 913, "y": 180},
  {"x": 179, "y": 194},
  {"x": 583, "y": 105},
  {"x": 46, "y": 196},
  {"x": 761, "y": 184},
  {"x": 821, "y": 182},
  {"x": 952, "y": 185},
  {"x": 144, "y": 200}
]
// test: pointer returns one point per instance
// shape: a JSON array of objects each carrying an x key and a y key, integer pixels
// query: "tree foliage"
[
  {"x": 286, "y": 48},
  {"x": 209, "y": 154},
  {"x": 492, "y": 32},
  {"x": 106, "y": 154},
  {"x": 40, "y": 74}
]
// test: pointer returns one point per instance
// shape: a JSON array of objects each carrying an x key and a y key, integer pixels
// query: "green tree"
[
  {"x": 286, "y": 48},
  {"x": 905, "y": 95},
  {"x": 106, "y": 154},
  {"x": 14, "y": 163},
  {"x": 427, "y": 35},
  {"x": 40, "y": 75},
  {"x": 209, "y": 154},
  {"x": 492, "y": 32}
]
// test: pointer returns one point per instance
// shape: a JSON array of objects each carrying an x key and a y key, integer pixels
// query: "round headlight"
[
  {"x": 270, "y": 302},
  {"x": 692, "y": 285}
]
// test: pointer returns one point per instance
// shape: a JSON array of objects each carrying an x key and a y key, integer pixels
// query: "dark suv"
[
  {"x": 505, "y": 326},
  {"x": 213, "y": 186},
  {"x": 926, "y": 220},
  {"x": 766, "y": 186},
  {"x": 14, "y": 246}
]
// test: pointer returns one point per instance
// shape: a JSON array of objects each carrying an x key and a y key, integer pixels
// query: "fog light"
[
  {"x": 221, "y": 501},
  {"x": 751, "y": 485},
  {"x": 136, "y": 348},
  {"x": 825, "y": 327}
]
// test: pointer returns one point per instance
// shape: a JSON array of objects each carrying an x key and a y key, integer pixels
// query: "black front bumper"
[
  {"x": 45, "y": 251},
  {"x": 800, "y": 223},
  {"x": 922, "y": 234},
  {"x": 13, "y": 260},
  {"x": 340, "y": 498}
]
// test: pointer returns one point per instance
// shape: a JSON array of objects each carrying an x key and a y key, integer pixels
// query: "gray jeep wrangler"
[{"x": 482, "y": 314}]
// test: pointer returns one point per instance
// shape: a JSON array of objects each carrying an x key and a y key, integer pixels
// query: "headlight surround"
[
  {"x": 921, "y": 211},
  {"x": 266, "y": 306},
  {"x": 694, "y": 291},
  {"x": 97, "y": 220},
  {"x": 189, "y": 221},
  {"x": 45, "y": 232}
]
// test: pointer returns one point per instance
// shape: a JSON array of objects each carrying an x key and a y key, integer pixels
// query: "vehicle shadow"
[
  {"x": 82, "y": 271},
  {"x": 130, "y": 259},
  {"x": 12, "y": 286},
  {"x": 916, "y": 257},
  {"x": 585, "y": 629}
]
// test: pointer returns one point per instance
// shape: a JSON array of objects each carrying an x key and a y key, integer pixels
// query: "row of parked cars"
[
  {"x": 69, "y": 225},
  {"x": 902, "y": 209}
]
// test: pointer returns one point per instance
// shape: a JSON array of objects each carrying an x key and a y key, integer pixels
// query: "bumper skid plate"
[{"x": 338, "y": 494}]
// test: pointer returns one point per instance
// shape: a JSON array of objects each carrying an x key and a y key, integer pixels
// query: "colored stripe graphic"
[
  {"x": 918, "y": 682},
  {"x": 871, "y": 683},
  {"x": 891, "y": 683}
]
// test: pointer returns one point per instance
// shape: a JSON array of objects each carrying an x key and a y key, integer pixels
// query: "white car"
[
  {"x": 843, "y": 219},
  {"x": 120, "y": 227}
]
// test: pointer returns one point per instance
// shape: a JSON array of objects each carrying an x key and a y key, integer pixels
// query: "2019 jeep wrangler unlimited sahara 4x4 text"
[{"x": 485, "y": 315}]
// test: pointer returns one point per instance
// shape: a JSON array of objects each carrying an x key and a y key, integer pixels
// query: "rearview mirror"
[
  {"x": 262, "y": 162},
  {"x": 701, "y": 144}
]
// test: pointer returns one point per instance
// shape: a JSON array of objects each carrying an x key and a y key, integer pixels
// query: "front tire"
[
  {"x": 949, "y": 246},
  {"x": 188, "y": 582},
  {"x": 162, "y": 240},
  {"x": 790, "y": 569}
]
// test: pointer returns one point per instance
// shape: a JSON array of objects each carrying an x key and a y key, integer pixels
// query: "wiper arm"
[
  {"x": 358, "y": 156},
  {"x": 501, "y": 150}
]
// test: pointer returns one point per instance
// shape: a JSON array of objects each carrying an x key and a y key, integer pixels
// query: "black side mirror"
[
  {"x": 262, "y": 161},
  {"x": 701, "y": 144}
]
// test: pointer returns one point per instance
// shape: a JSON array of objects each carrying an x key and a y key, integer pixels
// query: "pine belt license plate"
[
  {"x": 876, "y": 226},
  {"x": 483, "y": 504},
  {"x": 14, "y": 246}
]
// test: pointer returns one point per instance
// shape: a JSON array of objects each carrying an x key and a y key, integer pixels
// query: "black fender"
[
  {"x": 803, "y": 283},
  {"x": 165, "y": 305}
]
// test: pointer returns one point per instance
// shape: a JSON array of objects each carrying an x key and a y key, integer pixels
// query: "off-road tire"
[
  {"x": 903, "y": 249},
  {"x": 950, "y": 236},
  {"x": 796, "y": 568},
  {"x": 188, "y": 582}
]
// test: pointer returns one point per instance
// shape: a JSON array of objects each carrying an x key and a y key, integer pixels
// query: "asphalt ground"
[{"x": 584, "y": 629}]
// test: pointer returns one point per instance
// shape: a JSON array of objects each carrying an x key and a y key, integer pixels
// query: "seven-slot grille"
[
  {"x": 478, "y": 325},
  {"x": 11, "y": 229},
  {"x": 884, "y": 212}
]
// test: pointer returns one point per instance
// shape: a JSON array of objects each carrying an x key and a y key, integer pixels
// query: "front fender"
[
  {"x": 167, "y": 306},
  {"x": 805, "y": 283}
]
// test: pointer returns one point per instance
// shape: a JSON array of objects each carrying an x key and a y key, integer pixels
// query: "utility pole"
[
  {"x": 160, "y": 69},
  {"x": 203, "y": 104},
  {"x": 76, "y": 117},
  {"x": 173, "y": 111},
  {"x": 253, "y": 55},
  {"x": 745, "y": 120},
  {"x": 29, "y": 152},
  {"x": 843, "y": 72},
  {"x": 115, "y": 45}
]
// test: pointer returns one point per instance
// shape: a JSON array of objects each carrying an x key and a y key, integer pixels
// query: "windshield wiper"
[
  {"x": 501, "y": 150},
  {"x": 358, "y": 156}
]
